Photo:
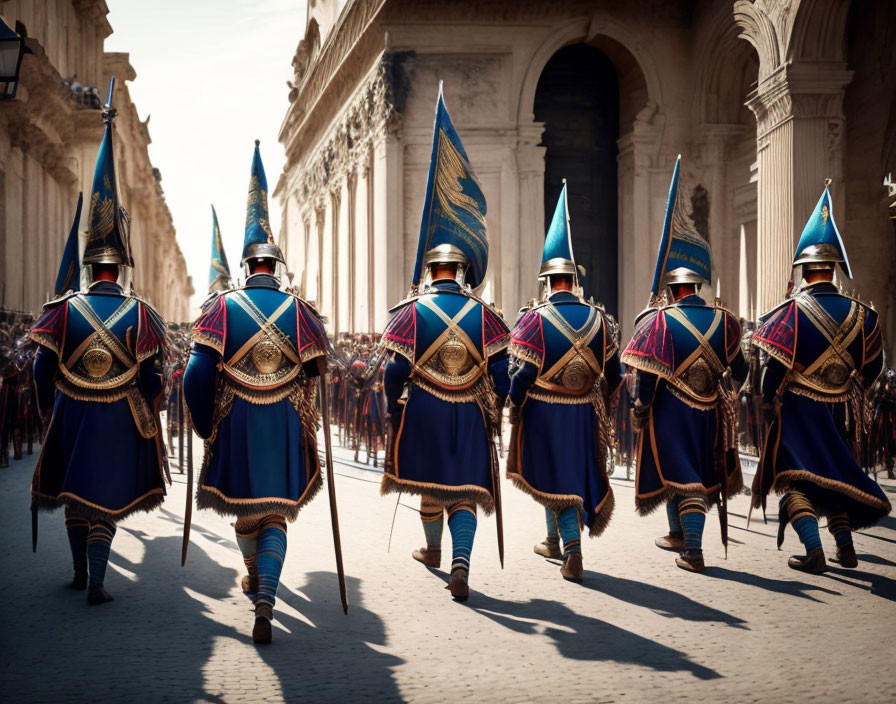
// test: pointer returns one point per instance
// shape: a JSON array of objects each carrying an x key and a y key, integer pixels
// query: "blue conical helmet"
[
  {"x": 107, "y": 227},
  {"x": 684, "y": 256},
  {"x": 557, "y": 256},
  {"x": 453, "y": 227},
  {"x": 820, "y": 242},
  {"x": 69, "y": 267},
  {"x": 259, "y": 240},
  {"x": 219, "y": 278}
]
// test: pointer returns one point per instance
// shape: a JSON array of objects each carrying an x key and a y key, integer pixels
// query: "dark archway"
[{"x": 577, "y": 99}]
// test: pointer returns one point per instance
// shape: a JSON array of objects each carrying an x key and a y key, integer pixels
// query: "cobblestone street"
[{"x": 638, "y": 629}]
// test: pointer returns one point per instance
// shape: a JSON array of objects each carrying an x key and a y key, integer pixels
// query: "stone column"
[
  {"x": 799, "y": 114},
  {"x": 712, "y": 146},
  {"x": 530, "y": 170},
  {"x": 390, "y": 279},
  {"x": 638, "y": 231}
]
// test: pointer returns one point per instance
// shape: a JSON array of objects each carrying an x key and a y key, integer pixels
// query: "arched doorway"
[{"x": 577, "y": 99}]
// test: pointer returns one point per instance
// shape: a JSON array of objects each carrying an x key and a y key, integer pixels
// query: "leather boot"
[
  {"x": 458, "y": 586},
  {"x": 813, "y": 563},
  {"x": 431, "y": 557},
  {"x": 262, "y": 633},
  {"x": 847, "y": 557},
  {"x": 548, "y": 548},
  {"x": 97, "y": 595},
  {"x": 691, "y": 561},
  {"x": 572, "y": 568},
  {"x": 670, "y": 542}
]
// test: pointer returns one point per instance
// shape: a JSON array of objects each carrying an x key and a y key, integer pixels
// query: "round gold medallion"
[
  {"x": 453, "y": 355},
  {"x": 576, "y": 375},
  {"x": 266, "y": 357},
  {"x": 700, "y": 378},
  {"x": 97, "y": 361},
  {"x": 836, "y": 374}
]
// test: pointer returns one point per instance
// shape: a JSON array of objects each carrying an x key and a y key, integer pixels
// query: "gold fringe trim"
[
  {"x": 441, "y": 494},
  {"x": 568, "y": 400},
  {"x": 784, "y": 481},
  {"x": 818, "y": 396},
  {"x": 405, "y": 350},
  {"x": 211, "y": 498},
  {"x": 603, "y": 514},
  {"x": 497, "y": 345},
  {"x": 555, "y": 502},
  {"x": 443, "y": 394},
  {"x": 208, "y": 341},
  {"x": 527, "y": 354},
  {"x": 44, "y": 340},
  {"x": 265, "y": 398},
  {"x": 79, "y": 394},
  {"x": 147, "y": 502},
  {"x": 312, "y": 352},
  {"x": 645, "y": 505},
  {"x": 646, "y": 364},
  {"x": 691, "y": 401},
  {"x": 774, "y": 352}
]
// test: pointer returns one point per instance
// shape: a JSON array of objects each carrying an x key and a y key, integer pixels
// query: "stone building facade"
[
  {"x": 764, "y": 99},
  {"x": 49, "y": 137}
]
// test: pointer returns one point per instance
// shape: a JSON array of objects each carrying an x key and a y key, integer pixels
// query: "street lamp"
[{"x": 11, "y": 50}]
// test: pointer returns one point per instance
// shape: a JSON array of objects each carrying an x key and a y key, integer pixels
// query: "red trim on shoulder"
[
  {"x": 493, "y": 327},
  {"x": 733, "y": 335},
  {"x": 779, "y": 330},
  {"x": 212, "y": 325},
  {"x": 653, "y": 341},
  {"x": 50, "y": 326},
  {"x": 528, "y": 332},
  {"x": 402, "y": 329},
  {"x": 311, "y": 330}
]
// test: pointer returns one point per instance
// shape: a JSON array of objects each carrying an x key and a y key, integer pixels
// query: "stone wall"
[{"x": 48, "y": 146}]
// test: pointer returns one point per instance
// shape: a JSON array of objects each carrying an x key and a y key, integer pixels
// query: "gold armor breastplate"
[
  {"x": 263, "y": 367},
  {"x": 98, "y": 369},
  {"x": 697, "y": 385},
  {"x": 575, "y": 379},
  {"x": 830, "y": 381},
  {"x": 451, "y": 367}
]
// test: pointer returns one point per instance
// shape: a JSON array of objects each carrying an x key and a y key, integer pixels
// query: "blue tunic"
[
  {"x": 558, "y": 450},
  {"x": 257, "y": 414},
  {"x": 687, "y": 445},
  {"x": 814, "y": 439},
  {"x": 101, "y": 454},
  {"x": 452, "y": 376}
]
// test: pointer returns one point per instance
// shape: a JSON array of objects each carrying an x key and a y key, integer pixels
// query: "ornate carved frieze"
[{"x": 373, "y": 114}]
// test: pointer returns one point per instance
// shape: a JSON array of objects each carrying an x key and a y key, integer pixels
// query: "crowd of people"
[
  {"x": 358, "y": 402},
  {"x": 19, "y": 421}
]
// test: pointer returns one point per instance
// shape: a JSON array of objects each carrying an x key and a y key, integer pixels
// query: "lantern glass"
[{"x": 11, "y": 49}]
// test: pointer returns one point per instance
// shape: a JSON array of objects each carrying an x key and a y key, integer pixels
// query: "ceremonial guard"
[
  {"x": 820, "y": 350},
  {"x": 566, "y": 367},
  {"x": 446, "y": 381},
  {"x": 100, "y": 354},
  {"x": 685, "y": 355},
  {"x": 250, "y": 387}
]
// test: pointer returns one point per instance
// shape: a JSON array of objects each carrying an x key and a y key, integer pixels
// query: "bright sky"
[{"x": 212, "y": 75}]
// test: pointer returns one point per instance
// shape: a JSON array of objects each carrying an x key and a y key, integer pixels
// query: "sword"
[{"x": 331, "y": 487}]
